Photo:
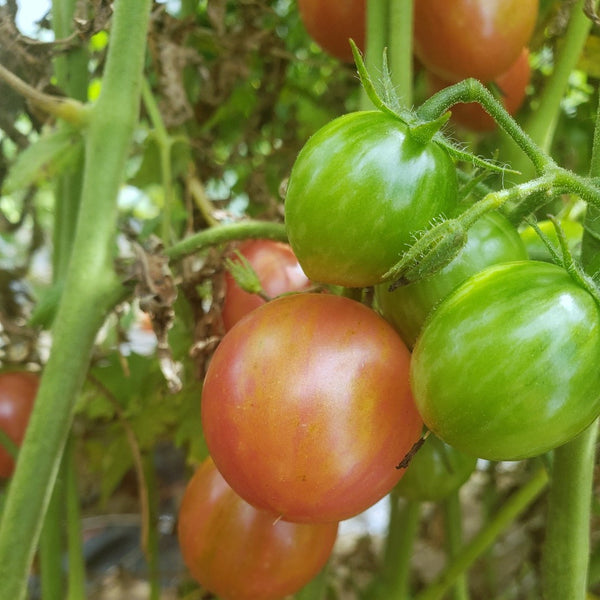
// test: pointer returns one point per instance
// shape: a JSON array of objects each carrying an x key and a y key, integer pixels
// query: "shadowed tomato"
[
  {"x": 277, "y": 269},
  {"x": 331, "y": 24},
  {"x": 17, "y": 394},
  {"x": 307, "y": 409},
  {"x": 511, "y": 86},
  {"x": 472, "y": 38},
  {"x": 241, "y": 553}
]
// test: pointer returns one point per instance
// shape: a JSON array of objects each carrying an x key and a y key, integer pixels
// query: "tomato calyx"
[
  {"x": 245, "y": 276},
  {"x": 421, "y": 127}
]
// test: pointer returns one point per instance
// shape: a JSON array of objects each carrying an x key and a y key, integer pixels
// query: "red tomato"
[
  {"x": 472, "y": 38},
  {"x": 17, "y": 394},
  {"x": 307, "y": 407},
  {"x": 278, "y": 271},
  {"x": 241, "y": 553},
  {"x": 331, "y": 24},
  {"x": 512, "y": 86}
]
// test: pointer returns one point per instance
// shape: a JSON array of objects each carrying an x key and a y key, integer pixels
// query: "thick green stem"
[
  {"x": 76, "y": 580},
  {"x": 52, "y": 543},
  {"x": 509, "y": 511},
  {"x": 227, "y": 233},
  {"x": 400, "y": 37},
  {"x": 567, "y": 543},
  {"x": 402, "y": 532},
  {"x": 87, "y": 297},
  {"x": 453, "y": 529},
  {"x": 375, "y": 42}
]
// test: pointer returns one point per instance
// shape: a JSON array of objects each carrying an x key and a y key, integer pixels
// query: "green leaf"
[{"x": 51, "y": 154}]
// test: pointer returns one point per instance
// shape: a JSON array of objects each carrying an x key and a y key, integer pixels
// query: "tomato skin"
[
  {"x": 241, "y": 553},
  {"x": 358, "y": 191},
  {"x": 306, "y": 407},
  {"x": 512, "y": 85},
  {"x": 277, "y": 269},
  {"x": 471, "y": 38},
  {"x": 506, "y": 367},
  {"x": 491, "y": 240},
  {"x": 331, "y": 24},
  {"x": 435, "y": 471},
  {"x": 17, "y": 395}
]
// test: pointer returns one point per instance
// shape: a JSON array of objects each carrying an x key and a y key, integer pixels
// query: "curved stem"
[
  {"x": 471, "y": 90},
  {"x": 88, "y": 294},
  {"x": 226, "y": 233},
  {"x": 509, "y": 511}
]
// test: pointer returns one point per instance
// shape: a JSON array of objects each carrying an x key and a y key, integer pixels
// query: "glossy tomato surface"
[
  {"x": 277, "y": 269},
  {"x": 358, "y": 191},
  {"x": 435, "y": 471},
  {"x": 17, "y": 394},
  {"x": 507, "y": 367},
  {"x": 241, "y": 553},
  {"x": 306, "y": 407},
  {"x": 331, "y": 24},
  {"x": 472, "y": 38},
  {"x": 491, "y": 240},
  {"x": 511, "y": 87}
]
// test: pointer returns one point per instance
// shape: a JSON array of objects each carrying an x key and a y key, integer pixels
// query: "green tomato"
[
  {"x": 491, "y": 240},
  {"x": 507, "y": 366},
  {"x": 435, "y": 471},
  {"x": 537, "y": 250},
  {"x": 358, "y": 192}
]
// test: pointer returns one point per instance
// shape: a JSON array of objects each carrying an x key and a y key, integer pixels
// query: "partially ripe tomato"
[
  {"x": 331, "y": 24},
  {"x": 241, "y": 553},
  {"x": 472, "y": 38},
  {"x": 511, "y": 85},
  {"x": 307, "y": 409},
  {"x": 17, "y": 394},
  {"x": 277, "y": 269}
]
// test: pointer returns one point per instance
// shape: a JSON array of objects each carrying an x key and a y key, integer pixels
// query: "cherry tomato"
[
  {"x": 472, "y": 38},
  {"x": 17, "y": 394},
  {"x": 359, "y": 190},
  {"x": 435, "y": 471},
  {"x": 241, "y": 553},
  {"x": 507, "y": 366},
  {"x": 277, "y": 269},
  {"x": 306, "y": 407},
  {"x": 512, "y": 86},
  {"x": 491, "y": 240},
  {"x": 331, "y": 24}
]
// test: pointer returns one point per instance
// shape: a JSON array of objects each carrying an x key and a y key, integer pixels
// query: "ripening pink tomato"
[
  {"x": 277, "y": 269},
  {"x": 307, "y": 409},
  {"x": 241, "y": 553}
]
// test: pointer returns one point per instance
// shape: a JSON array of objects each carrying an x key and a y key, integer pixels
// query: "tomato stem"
[
  {"x": 400, "y": 43},
  {"x": 509, "y": 511},
  {"x": 375, "y": 41},
  {"x": 453, "y": 528}
]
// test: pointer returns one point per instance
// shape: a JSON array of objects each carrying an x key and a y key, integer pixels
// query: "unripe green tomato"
[
  {"x": 491, "y": 240},
  {"x": 537, "y": 250},
  {"x": 359, "y": 191},
  {"x": 434, "y": 472}
]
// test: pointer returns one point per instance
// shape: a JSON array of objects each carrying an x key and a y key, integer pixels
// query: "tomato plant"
[
  {"x": 306, "y": 407},
  {"x": 470, "y": 38},
  {"x": 277, "y": 269},
  {"x": 511, "y": 86},
  {"x": 331, "y": 24},
  {"x": 359, "y": 190},
  {"x": 506, "y": 368},
  {"x": 492, "y": 239},
  {"x": 17, "y": 394},
  {"x": 242, "y": 553},
  {"x": 537, "y": 249},
  {"x": 435, "y": 471}
]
